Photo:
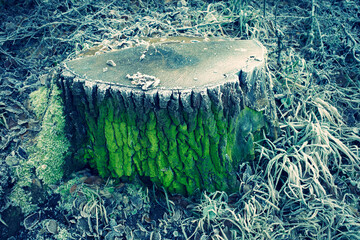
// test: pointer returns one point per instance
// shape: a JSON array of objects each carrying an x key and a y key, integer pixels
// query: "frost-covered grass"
[{"x": 303, "y": 185}]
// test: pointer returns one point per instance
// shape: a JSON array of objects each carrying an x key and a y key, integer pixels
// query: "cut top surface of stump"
[{"x": 175, "y": 65}]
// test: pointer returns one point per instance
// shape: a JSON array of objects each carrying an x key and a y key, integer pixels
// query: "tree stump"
[{"x": 184, "y": 115}]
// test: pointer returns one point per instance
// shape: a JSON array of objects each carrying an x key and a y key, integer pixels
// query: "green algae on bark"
[{"x": 182, "y": 140}]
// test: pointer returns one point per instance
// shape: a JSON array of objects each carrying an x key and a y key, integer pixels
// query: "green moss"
[
  {"x": 48, "y": 156},
  {"x": 39, "y": 101},
  {"x": 52, "y": 145}
]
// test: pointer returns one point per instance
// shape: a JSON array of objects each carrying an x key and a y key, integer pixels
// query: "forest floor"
[{"x": 303, "y": 185}]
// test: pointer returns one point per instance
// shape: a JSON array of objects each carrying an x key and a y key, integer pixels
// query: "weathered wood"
[{"x": 190, "y": 132}]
